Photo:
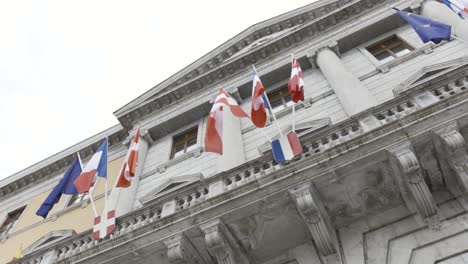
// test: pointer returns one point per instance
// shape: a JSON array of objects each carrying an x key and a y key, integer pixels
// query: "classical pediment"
[
  {"x": 428, "y": 73},
  {"x": 170, "y": 185},
  {"x": 51, "y": 237},
  {"x": 252, "y": 46}
]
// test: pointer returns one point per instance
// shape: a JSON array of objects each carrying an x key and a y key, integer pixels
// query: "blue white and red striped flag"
[
  {"x": 260, "y": 102},
  {"x": 286, "y": 148},
  {"x": 96, "y": 166},
  {"x": 458, "y": 6}
]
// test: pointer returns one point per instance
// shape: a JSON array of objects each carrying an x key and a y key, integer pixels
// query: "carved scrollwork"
[
  {"x": 456, "y": 153},
  {"x": 315, "y": 218},
  {"x": 410, "y": 168},
  {"x": 181, "y": 251},
  {"x": 222, "y": 244}
]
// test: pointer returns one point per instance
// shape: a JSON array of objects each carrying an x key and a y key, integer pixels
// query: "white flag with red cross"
[{"x": 104, "y": 225}]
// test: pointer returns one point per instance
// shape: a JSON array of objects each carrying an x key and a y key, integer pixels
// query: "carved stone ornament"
[
  {"x": 411, "y": 176},
  {"x": 316, "y": 218},
  {"x": 456, "y": 153},
  {"x": 222, "y": 244},
  {"x": 181, "y": 251}
]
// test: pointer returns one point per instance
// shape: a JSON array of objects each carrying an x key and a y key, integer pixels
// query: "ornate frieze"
[
  {"x": 412, "y": 181},
  {"x": 222, "y": 244},
  {"x": 312, "y": 211}
]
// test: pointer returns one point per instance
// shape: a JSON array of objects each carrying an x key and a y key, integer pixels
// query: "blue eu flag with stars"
[{"x": 427, "y": 29}]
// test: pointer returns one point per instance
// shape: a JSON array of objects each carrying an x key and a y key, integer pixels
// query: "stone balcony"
[{"x": 395, "y": 142}]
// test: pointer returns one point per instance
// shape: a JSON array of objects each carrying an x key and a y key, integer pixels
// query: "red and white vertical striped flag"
[
  {"x": 214, "y": 125},
  {"x": 296, "y": 82},
  {"x": 128, "y": 169}
]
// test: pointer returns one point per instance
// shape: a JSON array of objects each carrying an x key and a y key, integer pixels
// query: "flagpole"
[
  {"x": 457, "y": 38},
  {"x": 263, "y": 132},
  {"x": 272, "y": 113},
  {"x": 294, "y": 103},
  {"x": 105, "y": 186}
]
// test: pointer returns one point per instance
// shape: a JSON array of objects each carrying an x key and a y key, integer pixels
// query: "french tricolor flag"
[
  {"x": 286, "y": 148},
  {"x": 458, "y": 6},
  {"x": 97, "y": 165}
]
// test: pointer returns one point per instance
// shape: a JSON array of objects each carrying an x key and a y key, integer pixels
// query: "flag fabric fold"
[
  {"x": 286, "y": 148},
  {"x": 458, "y": 6},
  {"x": 131, "y": 161},
  {"x": 64, "y": 186},
  {"x": 427, "y": 29},
  {"x": 96, "y": 166},
  {"x": 296, "y": 82},
  {"x": 214, "y": 125},
  {"x": 259, "y": 102}
]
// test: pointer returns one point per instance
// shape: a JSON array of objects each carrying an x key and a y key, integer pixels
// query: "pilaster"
[
  {"x": 414, "y": 189},
  {"x": 315, "y": 216},
  {"x": 222, "y": 244}
]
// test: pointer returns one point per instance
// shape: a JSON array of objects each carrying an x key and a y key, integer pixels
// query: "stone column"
[
  {"x": 233, "y": 148},
  {"x": 440, "y": 12},
  {"x": 353, "y": 95},
  {"x": 123, "y": 199}
]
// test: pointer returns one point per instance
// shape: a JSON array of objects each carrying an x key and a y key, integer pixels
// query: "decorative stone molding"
[
  {"x": 181, "y": 251},
  {"x": 222, "y": 244},
  {"x": 196, "y": 152},
  {"x": 455, "y": 152},
  {"x": 312, "y": 211},
  {"x": 410, "y": 175}
]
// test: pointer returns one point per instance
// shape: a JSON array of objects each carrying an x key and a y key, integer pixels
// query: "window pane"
[
  {"x": 10, "y": 221},
  {"x": 184, "y": 142},
  {"x": 384, "y": 57},
  {"x": 389, "y": 49},
  {"x": 400, "y": 50}
]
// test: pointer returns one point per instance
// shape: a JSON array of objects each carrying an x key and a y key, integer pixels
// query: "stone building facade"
[{"x": 383, "y": 177}]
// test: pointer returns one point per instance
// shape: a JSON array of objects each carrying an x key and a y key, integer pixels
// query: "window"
[
  {"x": 280, "y": 99},
  {"x": 184, "y": 142},
  {"x": 78, "y": 198},
  {"x": 389, "y": 49},
  {"x": 10, "y": 221}
]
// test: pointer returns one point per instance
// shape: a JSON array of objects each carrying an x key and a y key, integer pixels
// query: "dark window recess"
[
  {"x": 10, "y": 221},
  {"x": 280, "y": 99},
  {"x": 78, "y": 198},
  {"x": 389, "y": 49},
  {"x": 184, "y": 142}
]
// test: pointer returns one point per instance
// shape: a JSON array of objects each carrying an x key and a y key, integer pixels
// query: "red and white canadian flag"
[
  {"x": 129, "y": 166},
  {"x": 104, "y": 225},
  {"x": 296, "y": 82},
  {"x": 214, "y": 125}
]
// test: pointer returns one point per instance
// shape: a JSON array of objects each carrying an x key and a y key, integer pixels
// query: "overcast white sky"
[{"x": 66, "y": 66}]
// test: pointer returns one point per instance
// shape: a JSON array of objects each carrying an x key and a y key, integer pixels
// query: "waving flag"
[
  {"x": 296, "y": 82},
  {"x": 259, "y": 102},
  {"x": 214, "y": 125},
  {"x": 286, "y": 148},
  {"x": 458, "y": 6},
  {"x": 427, "y": 29},
  {"x": 64, "y": 186},
  {"x": 97, "y": 165},
  {"x": 128, "y": 170}
]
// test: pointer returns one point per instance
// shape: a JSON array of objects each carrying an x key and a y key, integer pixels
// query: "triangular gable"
[
  {"x": 429, "y": 72},
  {"x": 170, "y": 185},
  {"x": 51, "y": 237}
]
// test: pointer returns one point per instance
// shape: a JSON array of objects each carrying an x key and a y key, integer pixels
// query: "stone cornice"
[
  {"x": 59, "y": 162},
  {"x": 223, "y": 63},
  {"x": 324, "y": 152}
]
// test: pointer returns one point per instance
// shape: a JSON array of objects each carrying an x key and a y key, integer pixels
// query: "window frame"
[
  {"x": 191, "y": 133},
  {"x": 386, "y": 45},
  {"x": 281, "y": 92},
  {"x": 81, "y": 197},
  {"x": 6, "y": 215}
]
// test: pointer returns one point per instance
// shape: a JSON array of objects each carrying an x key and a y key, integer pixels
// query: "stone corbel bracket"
[
  {"x": 411, "y": 180},
  {"x": 454, "y": 149},
  {"x": 181, "y": 251},
  {"x": 313, "y": 212},
  {"x": 312, "y": 54},
  {"x": 222, "y": 244},
  {"x": 144, "y": 133}
]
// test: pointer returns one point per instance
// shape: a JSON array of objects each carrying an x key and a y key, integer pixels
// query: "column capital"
[
  {"x": 222, "y": 244},
  {"x": 313, "y": 212},
  {"x": 144, "y": 135},
  {"x": 312, "y": 54}
]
